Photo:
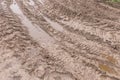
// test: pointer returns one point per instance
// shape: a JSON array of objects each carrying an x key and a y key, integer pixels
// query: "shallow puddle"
[
  {"x": 14, "y": 7},
  {"x": 34, "y": 30},
  {"x": 53, "y": 24}
]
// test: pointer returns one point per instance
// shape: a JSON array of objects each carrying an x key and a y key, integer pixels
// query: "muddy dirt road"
[{"x": 59, "y": 40}]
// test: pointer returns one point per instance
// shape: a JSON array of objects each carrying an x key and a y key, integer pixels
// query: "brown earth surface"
[{"x": 59, "y": 40}]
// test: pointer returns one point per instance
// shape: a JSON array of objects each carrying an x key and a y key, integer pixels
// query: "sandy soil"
[{"x": 59, "y": 40}]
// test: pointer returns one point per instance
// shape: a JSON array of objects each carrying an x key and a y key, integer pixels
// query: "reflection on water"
[
  {"x": 15, "y": 8},
  {"x": 34, "y": 30},
  {"x": 53, "y": 24}
]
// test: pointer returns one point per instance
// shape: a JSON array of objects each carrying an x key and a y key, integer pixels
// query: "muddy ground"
[{"x": 59, "y": 40}]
